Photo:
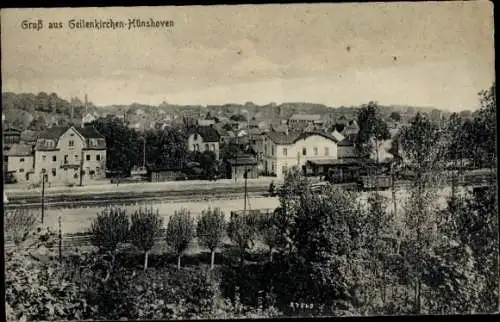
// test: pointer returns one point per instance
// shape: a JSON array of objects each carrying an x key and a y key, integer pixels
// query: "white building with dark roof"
[
  {"x": 282, "y": 151},
  {"x": 63, "y": 154}
]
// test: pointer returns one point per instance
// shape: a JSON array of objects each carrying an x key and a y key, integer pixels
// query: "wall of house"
[
  {"x": 91, "y": 162},
  {"x": 285, "y": 157},
  {"x": 196, "y": 143},
  {"x": 20, "y": 166},
  {"x": 45, "y": 160}
]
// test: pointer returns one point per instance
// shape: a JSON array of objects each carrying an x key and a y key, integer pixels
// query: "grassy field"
[{"x": 78, "y": 219}]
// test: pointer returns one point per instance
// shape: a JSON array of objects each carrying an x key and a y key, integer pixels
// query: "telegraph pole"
[
  {"x": 43, "y": 194},
  {"x": 144, "y": 152},
  {"x": 245, "y": 175},
  {"x": 60, "y": 238}
]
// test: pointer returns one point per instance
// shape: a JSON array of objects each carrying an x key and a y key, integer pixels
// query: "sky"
[{"x": 419, "y": 54}]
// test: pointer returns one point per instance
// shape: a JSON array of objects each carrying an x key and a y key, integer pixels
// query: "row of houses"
[{"x": 280, "y": 148}]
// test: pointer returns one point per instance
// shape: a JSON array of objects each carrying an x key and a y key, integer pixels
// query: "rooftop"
[
  {"x": 292, "y": 137},
  {"x": 306, "y": 117},
  {"x": 20, "y": 149},
  {"x": 208, "y": 133}
]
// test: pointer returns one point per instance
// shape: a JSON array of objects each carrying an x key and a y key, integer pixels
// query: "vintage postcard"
[{"x": 249, "y": 161}]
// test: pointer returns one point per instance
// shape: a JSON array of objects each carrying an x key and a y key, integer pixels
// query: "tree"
[
  {"x": 146, "y": 226},
  {"x": 210, "y": 231},
  {"x": 269, "y": 229},
  {"x": 422, "y": 152},
  {"x": 323, "y": 237},
  {"x": 180, "y": 232},
  {"x": 238, "y": 118},
  {"x": 109, "y": 229},
  {"x": 486, "y": 127},
  {"x": 372, "y": 130},
  {"x": 123, "y": 145},
  {"x": 395, "y": 116},
  {"x": 242, "y": 230},
  {"x": 18, "y": 225}
]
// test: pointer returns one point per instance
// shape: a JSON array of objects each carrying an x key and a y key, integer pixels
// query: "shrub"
[
  {"x": 210, "y": 230},
  {"x": 146, "y": 226},
  {"x": 109, "y": 229},
  {"x": 18, "y": 225},
  {"x": 242, "y": 230},
  {"x": 180, "y": 232}
]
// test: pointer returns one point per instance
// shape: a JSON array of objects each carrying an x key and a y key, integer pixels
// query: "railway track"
[
  {"x": 218, "y": 193},
  {"x": 131, "y": 201}
]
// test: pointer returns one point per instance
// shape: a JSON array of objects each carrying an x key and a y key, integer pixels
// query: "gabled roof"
[
  {"x": 11, "y": 130},
  {"x": 19, "y": 149},
  {"x": 53, "y": 133},
  {"x": 306, "y": 117},
  {"x": 89, "y": 132},
  {"x": 29, "y": 135},
  {"x": 207, "y": 133},
  {"x": 292, "y": 137}
]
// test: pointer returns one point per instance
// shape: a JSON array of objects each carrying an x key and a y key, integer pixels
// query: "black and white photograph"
[{"x": 249, "y": 161}]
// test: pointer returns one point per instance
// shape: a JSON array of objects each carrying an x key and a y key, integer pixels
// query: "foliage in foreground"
[
  {"x": 180, "y": 232},
  {"x": 146, "y": 226}
]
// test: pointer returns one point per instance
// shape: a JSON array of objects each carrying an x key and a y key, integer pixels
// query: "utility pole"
[
  {"x": 144, "y": 152},
  {"x": 81, "y": 169},
  {"x": 43, "y": 194},
  {"x": 60, "y": 238},
  {"x": 245, "y": 195}
]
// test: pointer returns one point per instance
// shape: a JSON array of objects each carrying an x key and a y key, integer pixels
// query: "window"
[
  {"x": 98, "y": 157},
  {"x": 326, "y": 151},
  {"x": 88, "y": 157},
  {"x": 97, "y": 169},
  {"x": 54, "y": 158},
  {"x": 285, "y": 152},
  {"x": 272, "y": 149},
  {"x": 21, "y": 170},
  {"x": 21, "y": 160},
  {"x": 76, "y": 156},
  {"x": 304, "y": 151},
  {"x": 206, "y": 147},
  {"x": 43, "y": 157},
  {"x": 65, "y": 169},
  {"x": 194, "y": 147},
  {"x": 53, "y": 172},
  {"x": 71, "y": 143},
  {"x": 66, "y": 159},
  {"x": 212, "y": 147},
  {"x": 283, "y": 169},
  {"x": 315, "y": 151},
  {"x": 72, "y": 134}
]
